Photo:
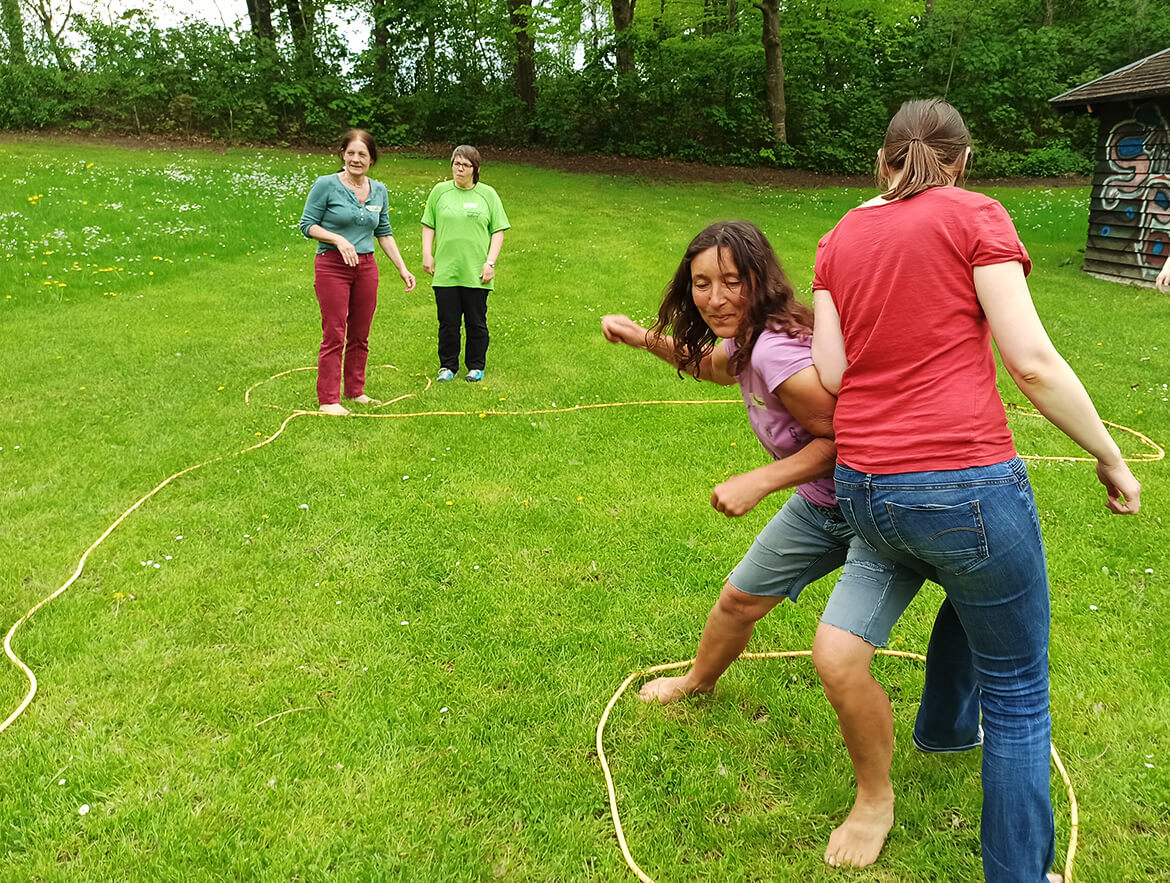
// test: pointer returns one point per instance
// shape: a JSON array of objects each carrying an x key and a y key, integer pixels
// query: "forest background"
[{"x": 784, "y": 83}]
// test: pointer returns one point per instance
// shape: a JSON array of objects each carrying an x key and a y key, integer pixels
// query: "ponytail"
[{"x": 927, "y": 142}]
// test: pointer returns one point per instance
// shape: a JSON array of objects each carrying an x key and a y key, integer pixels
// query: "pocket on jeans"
[{"x": 949, "y": 537}]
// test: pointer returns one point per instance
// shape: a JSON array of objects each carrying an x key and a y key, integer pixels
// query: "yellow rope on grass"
[
  {"x": 781, "y": 654},
  {"x": 16, "y": 660}
]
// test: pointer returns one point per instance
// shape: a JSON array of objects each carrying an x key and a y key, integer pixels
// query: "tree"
[
  {"x": 381, "y": 35},
  {"x": 13, "y": 24},
  {"x": 623, "y": 17},
  {"x": 46, "y": 12},
  {"x": 773, "y": 68},
  {"x": 260, "y": 17},
  {"x": 300, "y": 24},
  {"x": 520, "y": 17}
]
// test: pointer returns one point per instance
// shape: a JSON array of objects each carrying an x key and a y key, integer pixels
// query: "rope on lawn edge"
[{"x": 1074, "y": 822}]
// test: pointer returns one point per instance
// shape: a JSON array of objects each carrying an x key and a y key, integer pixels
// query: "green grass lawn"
[{"x": 450, "y": 600}]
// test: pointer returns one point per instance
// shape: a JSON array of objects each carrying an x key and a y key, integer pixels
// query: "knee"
[
  {"x": 842, "y": 661},
  {"x": 741, "y": 606}
]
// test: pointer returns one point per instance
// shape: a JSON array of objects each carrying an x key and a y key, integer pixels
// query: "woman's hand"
[
  {"x": 407, "y": 278},
  {"x": 348, "y": 252},
  {"x": 623, "y": 329},
  {"x": 1122, "y": 490},
  {"x": 739, "y": 494},
  {"x": 488, "y": 273},
  {"x": 1163, "y": 280},
  {"x": 429, "y": 264}
]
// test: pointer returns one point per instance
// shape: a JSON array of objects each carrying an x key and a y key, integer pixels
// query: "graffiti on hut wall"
[{"x": 1133, "y": 215}]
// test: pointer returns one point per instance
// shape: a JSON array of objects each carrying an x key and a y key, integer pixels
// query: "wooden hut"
[{"x": 1129, "y": 211}]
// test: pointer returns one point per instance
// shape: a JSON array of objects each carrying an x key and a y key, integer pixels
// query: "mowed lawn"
[{"x": 444, "y": 603}]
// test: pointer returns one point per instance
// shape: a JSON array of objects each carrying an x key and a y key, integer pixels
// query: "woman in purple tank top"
[{"x": 730, "y": 316}]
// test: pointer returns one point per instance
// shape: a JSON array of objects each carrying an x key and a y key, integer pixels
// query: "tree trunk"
[
  {"x": 381, "y": 35},
  {"x": 929, "y": 8},
  {"x": 260, "y": 17},
  {"x": 300, "y": 23},
  {"x": 732, "y": 12},
  {"x": 623, "y": 17},
  {"x": 1049, "y": 10},
  {"x": 520, "y": 17},
  {"x": 774, "y": 68},
  {"x": 45, "y": 12},
  {"x": 13, "y": 30}
]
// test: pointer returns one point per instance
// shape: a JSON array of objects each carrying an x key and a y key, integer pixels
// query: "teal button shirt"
[{"x": 334, "y": 206}]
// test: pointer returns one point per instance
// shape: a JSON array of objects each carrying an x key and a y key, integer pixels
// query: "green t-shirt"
[
  {"x": 463, "y": 221},
  {"x": 334, "y": 206}
]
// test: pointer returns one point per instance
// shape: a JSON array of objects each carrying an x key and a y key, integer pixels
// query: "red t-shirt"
[{"x": 919, "y": 392}]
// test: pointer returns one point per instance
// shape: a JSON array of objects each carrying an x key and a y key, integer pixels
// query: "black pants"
[{"x": 456, "y": 302}]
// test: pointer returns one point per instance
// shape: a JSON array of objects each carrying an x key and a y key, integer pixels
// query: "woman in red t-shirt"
[{"x": 910, "y": 289}]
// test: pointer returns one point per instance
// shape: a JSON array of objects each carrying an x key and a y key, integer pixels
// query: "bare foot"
[
  {"x": 860, "y": 838},
  {"x": 667, "y": 690},
  {"x": 335, "y": 409},
  {"x": 1055, "y": 878},
  {"x": 364, "y": 399}
]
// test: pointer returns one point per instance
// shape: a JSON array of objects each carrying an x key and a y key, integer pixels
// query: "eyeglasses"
[{"x": 462, "y": 165}]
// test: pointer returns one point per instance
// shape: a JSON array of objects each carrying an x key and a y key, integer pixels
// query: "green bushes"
[{"x": 696, "y": 92}]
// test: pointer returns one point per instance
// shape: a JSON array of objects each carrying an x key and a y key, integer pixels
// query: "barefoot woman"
[
  {"x": 910, "y": 290},
  {"x": 733, "y": 319}
]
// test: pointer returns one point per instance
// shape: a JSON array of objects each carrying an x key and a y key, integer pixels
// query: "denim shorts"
[{"x": 804, "y": 542}]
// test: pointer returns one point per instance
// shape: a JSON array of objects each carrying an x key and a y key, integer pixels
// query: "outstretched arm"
[
  {"x": 1163, "y": 280},
  {"x": 622, "y": 329},
  {"x": 1047, "y": 380}
]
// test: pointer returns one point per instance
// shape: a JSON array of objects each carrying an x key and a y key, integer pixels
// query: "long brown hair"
[
  {"x": 771, "y": 298},
  {"x": 927, "y": 141}
]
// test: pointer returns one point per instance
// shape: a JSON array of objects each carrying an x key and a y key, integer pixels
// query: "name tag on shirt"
[
  {"x": 758, "y": 402},
  {"x": 471, "y": 205},
  {"x": 373, "y": 208}
]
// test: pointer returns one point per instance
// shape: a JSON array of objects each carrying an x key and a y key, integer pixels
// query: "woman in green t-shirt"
[{"x": 463, "y": 232}]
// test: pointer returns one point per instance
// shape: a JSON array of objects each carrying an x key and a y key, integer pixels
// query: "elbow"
[{"x": 1035, "y": 370}]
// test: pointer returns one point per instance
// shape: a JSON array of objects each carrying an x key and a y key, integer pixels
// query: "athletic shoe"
[
  {"x": 474, "y": 376},
  {"x": 445, "y": 374}
]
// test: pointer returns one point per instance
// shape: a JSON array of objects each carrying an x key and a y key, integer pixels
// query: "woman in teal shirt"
[
  {"x": 463, "y": 232},
  {"x": 346, "y": 212}
]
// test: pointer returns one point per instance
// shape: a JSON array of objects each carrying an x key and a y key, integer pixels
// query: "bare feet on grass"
[
  {"x": 364, "y": 399},
  {"x": 667, "y": 690},
  {"x": 335, "y": 409},
  {"x": 859, "y": 840},
  {"x": 1055, "y": 878}
]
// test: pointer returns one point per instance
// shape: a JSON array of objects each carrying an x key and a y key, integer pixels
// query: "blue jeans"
[{"x": 975, "y": 532}]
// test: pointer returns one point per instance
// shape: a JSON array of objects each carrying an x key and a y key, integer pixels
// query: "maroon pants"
[{"x": 348, "y": 297}]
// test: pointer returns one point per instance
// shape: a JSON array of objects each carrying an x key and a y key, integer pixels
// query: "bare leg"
[
  {"x": 867, "y": 723},
  {"x": 728, "y": 629}
]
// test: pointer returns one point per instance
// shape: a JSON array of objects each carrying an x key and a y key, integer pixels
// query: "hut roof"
[{"x": 1146, "y": 78}]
